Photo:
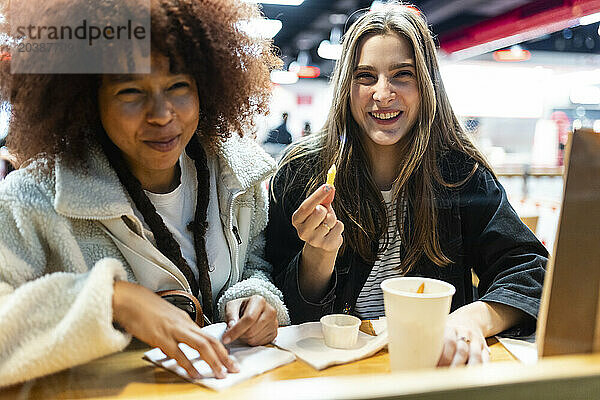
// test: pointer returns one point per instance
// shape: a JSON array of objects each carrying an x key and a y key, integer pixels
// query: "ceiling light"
[
  {"x": 515, "y": 54},
  {"x": 302, "y": 67},
  {"x": 585, "y": 95},
  {"x": 278, "y": 2},
  {"x": 329, "y": 51},
  {"x": 332, "y": 49},
  {"x": 589, "y": 19},
  {"x": 260, "y": 27},
  {"x": 305, "y": 71},
  {"x": 284, "y": 77},
  {"x": 309, "y": 71}
]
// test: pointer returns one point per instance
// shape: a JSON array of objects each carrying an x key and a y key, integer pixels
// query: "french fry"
[
  {"x": 367, "y": 327},
  {"x": 421, "y": 288},
  {"x": 331, "y": 175}
]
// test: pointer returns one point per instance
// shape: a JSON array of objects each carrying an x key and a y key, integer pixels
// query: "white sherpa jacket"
[{"x": 66, "y": 235}]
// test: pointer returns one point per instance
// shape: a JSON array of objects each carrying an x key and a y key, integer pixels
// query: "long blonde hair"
[{"x": 358, "y": 203}]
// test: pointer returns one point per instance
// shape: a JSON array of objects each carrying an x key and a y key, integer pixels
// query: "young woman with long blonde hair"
[{"x": 412, "y": 196}]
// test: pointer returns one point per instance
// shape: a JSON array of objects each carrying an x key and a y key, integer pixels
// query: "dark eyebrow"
[
  {"x": 402, "y": 65},
  {"x": 392, "y": 67},
  {"x": 364, "y": 68}
]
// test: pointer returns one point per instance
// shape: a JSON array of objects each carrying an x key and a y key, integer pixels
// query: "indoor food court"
[{"x": 300, "y": 199}]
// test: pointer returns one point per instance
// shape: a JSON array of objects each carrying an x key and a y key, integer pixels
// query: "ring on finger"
[
  {"x": 465, "y": 339},
  {"x": 326, "y": 225}
]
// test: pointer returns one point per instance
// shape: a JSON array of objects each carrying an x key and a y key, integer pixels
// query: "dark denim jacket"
[{"x": 477, "y": 227}]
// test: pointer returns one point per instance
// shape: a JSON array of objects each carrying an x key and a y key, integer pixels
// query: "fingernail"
[
  {"x": 235, "y": 366},
  {"x": 226, "y": 340},
  {"x": 221, "y": 375},
  {"x": 326, "y": 188},
  {"x": 231, "y": 323}
]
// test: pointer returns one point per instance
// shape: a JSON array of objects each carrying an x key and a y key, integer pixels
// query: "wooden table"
[{"x": 126, "y": 376}]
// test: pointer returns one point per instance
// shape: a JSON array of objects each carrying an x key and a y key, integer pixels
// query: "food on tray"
[{"x": 367, "y": 327}]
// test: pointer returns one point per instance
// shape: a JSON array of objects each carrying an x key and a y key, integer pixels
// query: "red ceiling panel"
[{"x": 523, "y": 23}]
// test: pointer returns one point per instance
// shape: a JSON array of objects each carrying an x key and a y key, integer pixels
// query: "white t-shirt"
[
  {"x": 369, "y": 304},
  {"x": 177, "y": 209}
]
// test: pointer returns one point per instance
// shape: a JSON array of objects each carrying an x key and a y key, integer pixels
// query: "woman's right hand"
[
  {"x": 318, "y": 227},
  {"x": 316, "y": 223},
  {"x": 158, "y": 323}
]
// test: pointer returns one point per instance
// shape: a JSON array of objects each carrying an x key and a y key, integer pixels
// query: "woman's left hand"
[
  {"x": 250, "y": 319},
  {"x": 464, "y": 342}
]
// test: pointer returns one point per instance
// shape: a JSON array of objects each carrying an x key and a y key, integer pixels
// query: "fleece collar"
[
  {"x": 97, "y": 193},
  {"x": 243, "y": 163}
]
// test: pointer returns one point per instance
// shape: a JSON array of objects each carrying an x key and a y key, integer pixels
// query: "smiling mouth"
[
  {"x": 387, "y": 117},
  {"x": 163, "y": 145}
]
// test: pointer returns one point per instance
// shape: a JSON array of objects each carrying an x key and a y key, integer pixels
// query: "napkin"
[
  {"x": 379, "y": 325},
  {"x": 252, "y": 361},
  {"x": 525, "y": 350},
  {"x": 306, "y": 342}
]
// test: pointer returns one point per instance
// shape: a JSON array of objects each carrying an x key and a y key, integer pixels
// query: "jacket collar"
[
  {"x": 91, "y": 193},
  {"x": 96, "y": 193},
  {"x": 243, "y": 163}
]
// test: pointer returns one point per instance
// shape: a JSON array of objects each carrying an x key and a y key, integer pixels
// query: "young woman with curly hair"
[
  {"x": 412, "y": 197},
  {"x": 136, "y": 183}
]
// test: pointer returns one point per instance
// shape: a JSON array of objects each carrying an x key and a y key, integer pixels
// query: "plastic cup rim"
[{"x": 449, "y": 292}]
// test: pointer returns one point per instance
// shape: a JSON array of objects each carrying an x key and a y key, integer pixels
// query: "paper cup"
[
  {"x": 340, "y": 331},
  {"x": 415, "y": 321}
]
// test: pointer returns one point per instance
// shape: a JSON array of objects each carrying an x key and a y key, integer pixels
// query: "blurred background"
[{"x": 520, "y": 74}]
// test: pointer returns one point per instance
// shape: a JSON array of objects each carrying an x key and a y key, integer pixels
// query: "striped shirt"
[{"x": 369, "y": 304}]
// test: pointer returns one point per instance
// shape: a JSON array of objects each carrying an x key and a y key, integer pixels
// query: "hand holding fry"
[{"x": 316, "y": 223}]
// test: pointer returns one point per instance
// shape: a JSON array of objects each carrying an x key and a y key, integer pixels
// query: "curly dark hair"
[{"x": 56, "y": 114}]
